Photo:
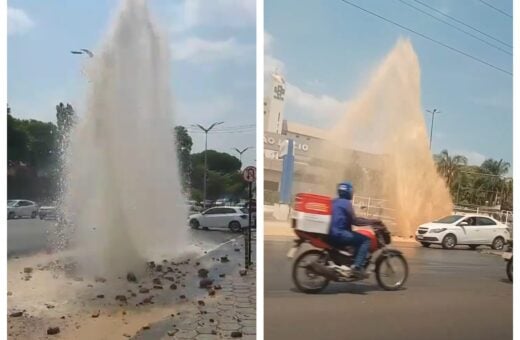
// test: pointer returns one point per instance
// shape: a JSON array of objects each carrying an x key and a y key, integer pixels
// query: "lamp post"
[
  {"x": 206, "y": 130},
  {"x": 242, "y": 151},
  {"x": 431, "y": 127}
]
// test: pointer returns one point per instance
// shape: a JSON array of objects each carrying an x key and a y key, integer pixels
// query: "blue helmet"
[{"x": 346, "y": 190}]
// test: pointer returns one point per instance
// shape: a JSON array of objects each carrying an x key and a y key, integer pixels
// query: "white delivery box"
[{"x": 312, "y": 213}]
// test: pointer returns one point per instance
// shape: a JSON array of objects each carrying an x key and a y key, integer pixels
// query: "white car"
[
  {"x": 234, "y": 218},
  {"x": 21, "y": 208},
  {"x": 48, "y": 213},
  {"x": 470, "y": 229}
]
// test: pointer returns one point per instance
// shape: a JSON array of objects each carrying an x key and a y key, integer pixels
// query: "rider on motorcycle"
[{"x": 341, "y": 233}]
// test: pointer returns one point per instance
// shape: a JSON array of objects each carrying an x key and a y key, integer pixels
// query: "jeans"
[{"x": 351, "y": 238}]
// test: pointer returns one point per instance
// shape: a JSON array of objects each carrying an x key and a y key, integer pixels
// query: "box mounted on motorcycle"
[{"x": 315, "y": 268}]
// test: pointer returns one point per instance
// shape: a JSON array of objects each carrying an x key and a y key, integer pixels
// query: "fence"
[{"x": 372, "y": 207}]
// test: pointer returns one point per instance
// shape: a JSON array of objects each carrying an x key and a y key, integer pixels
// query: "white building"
[{"x": 308, "y": 146}]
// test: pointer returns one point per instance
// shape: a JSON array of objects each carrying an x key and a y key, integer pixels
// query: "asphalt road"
[
  {"x": 450, "y": 294},
  {"x": 29, "y": 236},
  {"x": 26, "y": 236}
]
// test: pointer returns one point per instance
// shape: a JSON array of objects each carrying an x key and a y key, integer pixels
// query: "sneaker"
[{"x": 357, "y": 273}]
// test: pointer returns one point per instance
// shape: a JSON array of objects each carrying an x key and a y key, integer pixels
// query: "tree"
[
  {"x": 183, "y": 143},
  {"x": 449, "y": 166},
  {"x": 477, "y": 185},
  {"x": 224, "y": 179},
  {"x": 31, "y": 153},
  {"x": 66, "y": 118},
  {"x": 493, "y": 167},
  {"x": 17, "y": 141},
  {"x": 494, "y": 184},
  {"x": 217, "y": 161}
]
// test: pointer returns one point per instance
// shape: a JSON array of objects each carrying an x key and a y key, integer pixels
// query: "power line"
[
  {"x": 429, "y": 38},
  {"x": 496, "y": 9},
  {"x": 455, "y": 27},
  {"x": 463, "y": 23}
]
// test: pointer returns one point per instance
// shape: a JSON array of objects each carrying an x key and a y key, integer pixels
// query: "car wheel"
[
  {"x": 498, "y": 243},
  {"x": 449, "y": 241},
  {"x": 194, "y": 224},
  {"x": 426, "y": 245},
  {"x": 11, "y": 216},
  {"x": 235, "y": 226},
  {"x": 473, "y": 246},
  {"x": 34, "y": 214}
]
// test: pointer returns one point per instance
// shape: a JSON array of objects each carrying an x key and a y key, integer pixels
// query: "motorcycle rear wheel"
[
  {"x": 300, "y": 266},
  {"x": 383, "y": 263}
]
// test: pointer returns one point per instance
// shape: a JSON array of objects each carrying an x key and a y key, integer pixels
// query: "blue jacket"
[{"x": 343, "y": 217}]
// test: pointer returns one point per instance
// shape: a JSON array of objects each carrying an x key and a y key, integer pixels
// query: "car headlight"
[{"x": 437, "y": 230}]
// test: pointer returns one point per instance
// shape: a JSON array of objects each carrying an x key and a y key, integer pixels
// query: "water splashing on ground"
[{"x": 123, "y": 192}]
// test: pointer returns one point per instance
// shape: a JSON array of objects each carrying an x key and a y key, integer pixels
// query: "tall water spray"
[
  {"x": 386, "y": 119},
  {"x": 123, "y": 193}
]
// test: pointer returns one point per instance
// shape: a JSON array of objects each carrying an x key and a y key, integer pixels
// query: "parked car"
[
  {"x": 194, "y": 208},
  {"x": 234, "y": 218},
  {"x": 471, "y": 229},
  {"x": 21, "y": 208},
  {"x": 48, "y": 213}
]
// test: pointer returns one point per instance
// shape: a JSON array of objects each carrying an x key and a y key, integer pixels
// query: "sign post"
[{"x": 249, "y": 174}]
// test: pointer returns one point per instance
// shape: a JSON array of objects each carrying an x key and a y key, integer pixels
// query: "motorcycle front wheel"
[
  {"x": 305, "y": 279},
  {"x": 509, "y": 270},
  {"x": 391, "y": 271}
]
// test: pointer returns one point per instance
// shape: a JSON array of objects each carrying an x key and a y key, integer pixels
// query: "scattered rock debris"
[
  {"x": 53, "y": 330},
  {"x": 130, "y": 277}
]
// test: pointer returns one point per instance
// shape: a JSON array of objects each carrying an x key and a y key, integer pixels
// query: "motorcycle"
[
  {"x": 315, "y": 268},
  {"x": 508, "y": 257}
]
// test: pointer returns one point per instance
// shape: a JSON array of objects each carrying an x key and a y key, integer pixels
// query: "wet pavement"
[
  {"x": 228, "y": 313},
  {"x": 87, "y": 308},
  {"x": 30, "y": 236},
  {"x": 450, "y": 294},
  {"x": 231, "y": 313}
]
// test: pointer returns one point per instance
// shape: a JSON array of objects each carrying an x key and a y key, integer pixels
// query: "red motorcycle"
[{"x": 315, "y": 268}]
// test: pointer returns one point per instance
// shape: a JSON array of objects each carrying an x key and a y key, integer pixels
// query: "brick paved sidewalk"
[{"x": 231, "y": 313}]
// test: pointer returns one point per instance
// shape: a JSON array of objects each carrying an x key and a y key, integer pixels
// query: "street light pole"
[
  {"x": 206, "y": 130},
  {"x": 431, "y": 127},
  {"x": 241, "y": 152}
]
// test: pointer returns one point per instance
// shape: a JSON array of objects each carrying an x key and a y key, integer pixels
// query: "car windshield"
[
  {"x": 11, "y": 203},
  {"x": 244, "y": 210},
  {"x": 449, "y": 219}
]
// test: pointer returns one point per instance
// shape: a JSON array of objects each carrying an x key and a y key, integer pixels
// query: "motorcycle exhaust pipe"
[{"x": 322, "y": 270}]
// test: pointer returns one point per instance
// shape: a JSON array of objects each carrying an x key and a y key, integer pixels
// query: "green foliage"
[
  {"x": 183, "y": 143},
  {"x": 17, "y": 141},
  {"x": 32, "y": 142},
  {"x": 32, "y": 153},
  {"x": 483, "y": 185},
  {"x": 224, "y": 177},
  {"x": 218, "y": 161},
  {"x": 66, "y": 118}
]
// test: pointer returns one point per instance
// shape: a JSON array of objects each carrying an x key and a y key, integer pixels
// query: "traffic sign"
[{"x": 250, "y": 174}]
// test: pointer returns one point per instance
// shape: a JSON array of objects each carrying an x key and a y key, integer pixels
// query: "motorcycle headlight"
[{"x": 437, "y": 230}]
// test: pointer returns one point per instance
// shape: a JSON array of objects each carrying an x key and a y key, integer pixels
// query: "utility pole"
[
  {"x": 431, "y": 127},
  {"x": 242, "y": 151},
  {"x": 206, "y": 130}
]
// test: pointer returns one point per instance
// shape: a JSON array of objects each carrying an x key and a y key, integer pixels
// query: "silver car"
[
  {"x": 48, "y": 213},
  {"x": 21, "y": 208}
]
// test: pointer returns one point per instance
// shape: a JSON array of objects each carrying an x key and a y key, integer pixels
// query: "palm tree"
[
  {"x": 493, "y": 167},
  {"x": 494, "y": 183},
  {"x": 449, "y": 166}
]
